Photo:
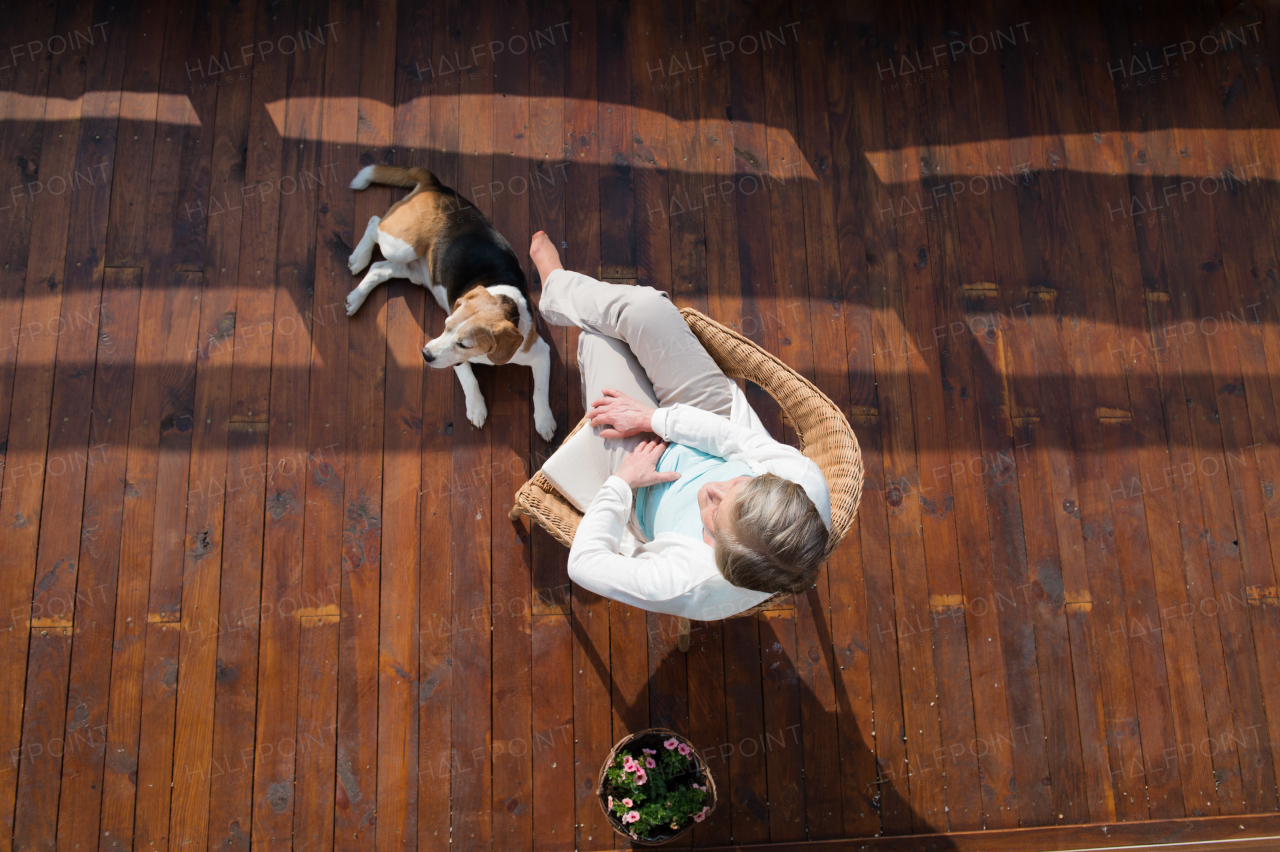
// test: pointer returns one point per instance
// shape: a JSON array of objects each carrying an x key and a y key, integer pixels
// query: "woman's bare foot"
[{"x": 544, "y": 254}]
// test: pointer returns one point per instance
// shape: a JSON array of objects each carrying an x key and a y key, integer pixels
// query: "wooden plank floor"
[{"x": 258, "y": 582}]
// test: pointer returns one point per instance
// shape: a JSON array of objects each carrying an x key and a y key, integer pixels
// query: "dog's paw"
[
  {"x": 354, "y": 300},
  {"x": 476, "y": 411},
  {"x": 545, "y": 423},
  {"x": 358, "y": 260}
]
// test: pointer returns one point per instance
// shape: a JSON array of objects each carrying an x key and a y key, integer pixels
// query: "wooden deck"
[{"x": 258, "y": 578}]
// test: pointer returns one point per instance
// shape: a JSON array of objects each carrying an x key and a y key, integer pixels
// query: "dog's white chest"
[
  {"x": 420, "y": 275},
  {"x": 442, "y": 298}
]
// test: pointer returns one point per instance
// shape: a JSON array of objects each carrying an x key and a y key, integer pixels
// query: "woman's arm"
[
  {"x": 714, "y": 435},
  {"x": 623, "y": 417},
  {"x": 595, "y": 564},
  {"x": 719, "y": 436}
]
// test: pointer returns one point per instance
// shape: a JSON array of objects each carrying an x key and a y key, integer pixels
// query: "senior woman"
[{"x": 724, "y": 516}]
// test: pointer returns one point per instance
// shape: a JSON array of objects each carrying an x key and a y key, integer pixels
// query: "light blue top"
[{"x": 673, "y": 506}]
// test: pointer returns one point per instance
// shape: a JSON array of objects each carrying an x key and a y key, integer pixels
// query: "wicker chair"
[{"x": 824, "y": 433}]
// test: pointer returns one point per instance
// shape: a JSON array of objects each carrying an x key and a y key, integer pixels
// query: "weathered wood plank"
[
  {"x": 708, "y": 728},
  {"x": 750, "y": 152},
  {"x": 20, "y": 143},
  {"x": 511, "y": 426},
  {"x": 397, "y": 707},
  {"x": 784, "y": 752},
  {"x": 179, "y": 169},
  {"x": 716, "y": 167},
  {"x": 43, "y": 723},
  {"x": 237, "y": 630},
  {"x": 98, "y": 577},
  {"x": 203, "y": 549},
  {"x": 551, "y": 744},
  {"x": 870, "y": 241},
  {"x": 847, "y": 571},
  {"x": 321, "y": 454},
  {"x": 155, "y": 767},
  {"x": 317, "y": 721},
  {"x": 1247, "y": 238},
  {"x": 356, "y": 796},
  {"x": 436, "y": 757},
  {"x": 648, "y": 131},
  {"x": 145, "y": 28},
  {"x": 744, "y": 794},
  {"x": 616, "y": 171},
  {"x": 258, "y": 211},
  {"x": 548, "y": 162},
  {"x": 473, "y": 518},
  {"x": 289, "y": 281}
]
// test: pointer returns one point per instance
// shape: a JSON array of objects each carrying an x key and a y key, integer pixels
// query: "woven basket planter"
[{"x": 652, "y": 738}]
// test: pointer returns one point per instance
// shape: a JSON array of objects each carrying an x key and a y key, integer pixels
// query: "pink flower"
[
  {"x": 671, "y": 744},
  {"x": 648, "y": 751},
  {"x": 649, "y": 764},
  {"x": 684, "y": 749},
  {"x": 626, "y": 803},
  {"x": 699, "y": 818},
  {"x": 611, "y": 803},
  {"x": 631, "y": 816},
  {"x": 641, "y": 776},
  {"x": 629, "y": 765}
]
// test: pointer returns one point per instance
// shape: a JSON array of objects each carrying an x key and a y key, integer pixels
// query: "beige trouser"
[{"x": 636, "y": 342}]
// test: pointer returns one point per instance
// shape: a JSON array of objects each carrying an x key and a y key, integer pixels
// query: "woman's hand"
[
  {"x": 639, "y": 468},
  {"x": 619, "y": 411}
]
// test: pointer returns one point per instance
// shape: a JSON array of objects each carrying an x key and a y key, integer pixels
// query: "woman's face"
[{"x": 713, "y": 497}]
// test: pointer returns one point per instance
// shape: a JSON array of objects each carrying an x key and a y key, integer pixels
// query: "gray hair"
[{"x": 775, "y": 540}]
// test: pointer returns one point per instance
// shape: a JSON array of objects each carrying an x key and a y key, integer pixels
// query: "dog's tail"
[{"x": 394, "y": 176}]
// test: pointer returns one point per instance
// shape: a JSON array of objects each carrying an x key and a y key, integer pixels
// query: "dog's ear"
[{"x": 506, "y": 340}]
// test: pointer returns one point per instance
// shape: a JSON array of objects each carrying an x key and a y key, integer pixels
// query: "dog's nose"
[{"x": 427, "y": 356}]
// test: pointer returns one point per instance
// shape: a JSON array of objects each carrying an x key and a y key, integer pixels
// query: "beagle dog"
[{"x": 436, "y": 238}]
